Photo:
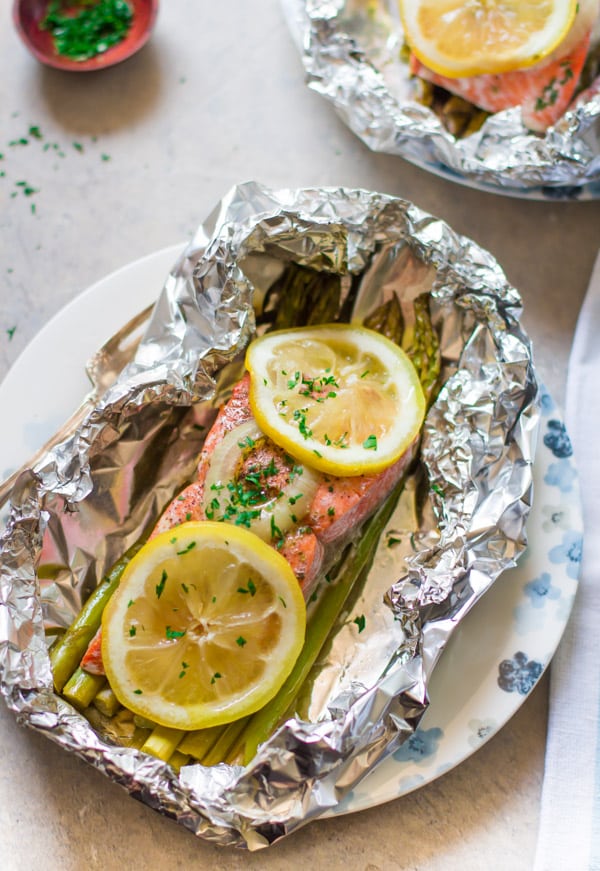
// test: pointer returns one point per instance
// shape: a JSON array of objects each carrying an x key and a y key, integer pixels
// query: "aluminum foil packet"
[
  {"x": 352, "y": 54},
  {"x": 460, "y": 523}
]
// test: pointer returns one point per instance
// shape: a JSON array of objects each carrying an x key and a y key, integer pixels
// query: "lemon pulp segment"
[
  {"x": 205, "y": 626},
  {"x": 340, "y": 398}
]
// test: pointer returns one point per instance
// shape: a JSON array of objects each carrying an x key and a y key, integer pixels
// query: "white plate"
[{"x": 497, "y": 653}]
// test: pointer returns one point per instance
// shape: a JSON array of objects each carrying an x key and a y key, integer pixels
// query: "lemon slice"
[
  {"x": 204, "y": 628},
  {"x": 469, "y": 37},
  {"x": 340, "y": 398}
]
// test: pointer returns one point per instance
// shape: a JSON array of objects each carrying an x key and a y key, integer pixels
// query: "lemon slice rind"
[
  {"x": 453, "y": 38},
  {"x": 340, "y": 398},
  {"x": 205, "y": 626}
]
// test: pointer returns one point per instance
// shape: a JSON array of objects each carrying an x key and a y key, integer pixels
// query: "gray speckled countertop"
[{"x": 135, "y": 159}]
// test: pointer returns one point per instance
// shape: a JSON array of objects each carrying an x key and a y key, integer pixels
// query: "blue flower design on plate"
[
  {"x": 557, "y": 517},
  {"x": 421, "y": 745},
  {"x": 546, "y": 403},
  {"x": 407, "y": 784},
  {"x": 518, "y": 675},
  {"x": 540, "y": 590},
  {"x": 557, "y": 439},
  {"x": 569, "y": 552},
  {"x": 480, "y": 731},
  {"x": 561, "y": 475}
]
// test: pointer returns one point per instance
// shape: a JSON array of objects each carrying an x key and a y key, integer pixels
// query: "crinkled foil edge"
[{"x": 478, "y": 447}]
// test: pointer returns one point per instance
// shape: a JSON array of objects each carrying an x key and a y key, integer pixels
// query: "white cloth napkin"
[{"x": 569, "y": 834}]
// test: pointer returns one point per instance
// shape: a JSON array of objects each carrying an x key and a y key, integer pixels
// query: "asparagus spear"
[
  {"x": 262, "y": 724},
  {"x": 162, "y": 742},
  {"x": 66, "y": 654},
  {"x": 304, "y": 296},
  {"x": 422, "y": 345},
  {"x": 198, "y": 743},
  {"x": 226, "y": 741},
  {"x": 106, "y": 702},
  {"x": 387, "y": 319},
  {"x": 82, "y": 687}
]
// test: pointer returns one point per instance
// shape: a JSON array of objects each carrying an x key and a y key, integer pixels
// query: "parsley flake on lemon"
[
  {"x": 204, "y": 628},
  {"x": 340, "y": 398},
  {"x": 472, "y": 37}
]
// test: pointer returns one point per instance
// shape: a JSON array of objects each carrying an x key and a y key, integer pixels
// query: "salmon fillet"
[
  {"x": 544, "y": 91},
  {"x": 312, "y": 544}
]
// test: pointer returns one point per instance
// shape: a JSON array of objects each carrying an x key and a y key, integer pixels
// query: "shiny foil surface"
[
  {"x": 351, "y": 51},
  {"x": 459, "y": 524}
]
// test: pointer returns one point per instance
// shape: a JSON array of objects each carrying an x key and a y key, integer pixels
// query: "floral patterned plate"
[{"x": 476, "y": 686}]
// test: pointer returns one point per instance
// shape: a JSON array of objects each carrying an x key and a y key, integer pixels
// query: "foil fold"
[
  {"x": 351, "y": 54},
  {"x": 460, "y": 523}
]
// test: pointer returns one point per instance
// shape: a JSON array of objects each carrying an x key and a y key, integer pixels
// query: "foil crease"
[
  {"x": 351, "y": 54},
  {"x": 460, "y": 523}
]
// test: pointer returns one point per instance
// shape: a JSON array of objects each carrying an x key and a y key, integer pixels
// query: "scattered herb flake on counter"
[
  {"x": 26, "y": 188},
  {"x": 360, "y": 622},
  {"x": 11, "y": 331},
  {"x": 93, "y": 30}
]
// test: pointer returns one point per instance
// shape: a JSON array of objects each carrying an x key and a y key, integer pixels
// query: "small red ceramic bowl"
[{"x": 27, "y": 15}]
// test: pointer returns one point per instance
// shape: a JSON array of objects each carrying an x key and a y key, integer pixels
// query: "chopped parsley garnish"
[
  {"x": 185, "y": 587},
  {"x": 241, "y": 641},
  {"x": 300, "y": 416},
  {"x": 370, "y": 443},
  {"x": 331, "y": 511},
  {"x": 26, "y": 188},
  {"x": 215, "y": 677},
  {"x": 187, "y": 549},
  {"x": 275, "y": 530},
  {"x": 132, "y": 631},
  {"x": 138, "y": 692},
  {"x": 89, "y": 33},
  {"x": 437, "y": 489},
  {"x": 173, "y": 633},
  {"x": 130, "y": 603},
  {"x": 251, "y": 588},
  {"x": 161, "y": 584},
  {"x": 282, "y": 600},
  {"x": 188, "y": 515},
  {"x": 360, "y": 622},
  {"x": 10, "y": 333}
]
